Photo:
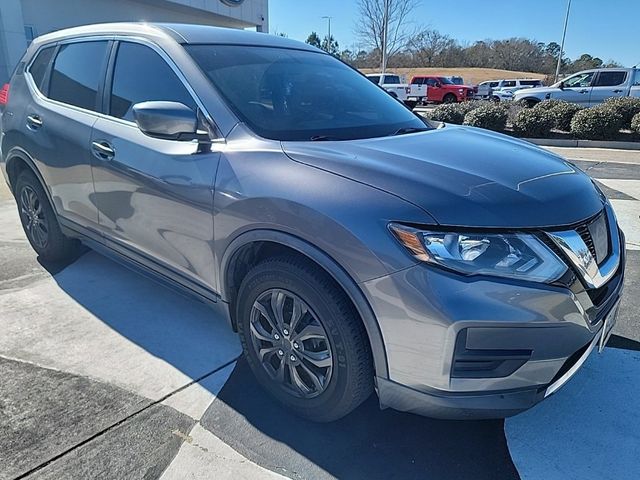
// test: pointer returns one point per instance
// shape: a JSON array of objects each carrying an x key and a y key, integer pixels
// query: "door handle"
[
  {"x": 618, "y": 91},
  {"x": 34, "y": 121},
  {"x": 584, "y": 91},
  {"x": 103, "y": 150}
]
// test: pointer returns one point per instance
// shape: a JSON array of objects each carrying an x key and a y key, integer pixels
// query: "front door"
[
  {"x": 154, "y": 196},
  {"x": 576, "y": 89}
]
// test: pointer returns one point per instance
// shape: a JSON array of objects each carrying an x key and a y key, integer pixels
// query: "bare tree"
[
  {"x": 370, "y": 24},
  {"x": 428, "y": 45}
]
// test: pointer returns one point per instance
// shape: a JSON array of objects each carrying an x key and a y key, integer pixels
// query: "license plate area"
[{"x": 607, "y": 326}]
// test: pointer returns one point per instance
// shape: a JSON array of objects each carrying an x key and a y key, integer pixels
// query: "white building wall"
[{"x": 48, "y": 15}]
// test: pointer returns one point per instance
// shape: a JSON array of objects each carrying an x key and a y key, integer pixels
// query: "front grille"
[{"x": 595, "y": 235}]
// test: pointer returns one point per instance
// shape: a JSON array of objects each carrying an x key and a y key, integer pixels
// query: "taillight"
[{"x": 4, "y": 94}]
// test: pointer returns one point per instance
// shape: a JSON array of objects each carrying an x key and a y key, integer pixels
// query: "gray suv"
[{"x": 459, "y": 273}]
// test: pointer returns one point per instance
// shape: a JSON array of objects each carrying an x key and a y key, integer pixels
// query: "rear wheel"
[
  {"x": 303, "y": 339},
  {"x": 39, "y": 221}
]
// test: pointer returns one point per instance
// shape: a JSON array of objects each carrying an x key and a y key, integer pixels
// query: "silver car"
[{"x": 459, "y": 273}]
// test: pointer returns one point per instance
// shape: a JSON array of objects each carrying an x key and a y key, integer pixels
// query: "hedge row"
[{"x": 602, "y": 122}]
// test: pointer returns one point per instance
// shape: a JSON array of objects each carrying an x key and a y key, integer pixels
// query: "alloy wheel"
[
  {"x": 291, "y": 343},
  {"x": 33, "y": 216}
]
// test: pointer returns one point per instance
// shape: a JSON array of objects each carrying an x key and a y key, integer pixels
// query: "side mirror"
[
  {"x": 561, "y": 85},
  {"x": 166, "y": 120},
  {"x": 437, "y": 84}
]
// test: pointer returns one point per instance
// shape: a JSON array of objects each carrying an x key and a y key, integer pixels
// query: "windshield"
[{"x": 286, "y": 94}]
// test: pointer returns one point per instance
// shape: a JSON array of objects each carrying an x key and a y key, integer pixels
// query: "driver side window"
[
  {"x": 141, "y": 75},
  {"x": 580, "y": 80}
]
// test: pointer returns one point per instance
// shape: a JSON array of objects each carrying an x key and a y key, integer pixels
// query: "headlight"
[{"x": 511, "y": 255}]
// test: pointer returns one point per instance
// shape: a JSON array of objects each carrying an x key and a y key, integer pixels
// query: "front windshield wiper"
[
  {"x": 404, "y": 131},
  {"x": 323, "y": 138}
]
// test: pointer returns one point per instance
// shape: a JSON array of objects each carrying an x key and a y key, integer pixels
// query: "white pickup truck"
[
  {"x": 587, "y": 88},
  {"x": 398, "y": 88}
]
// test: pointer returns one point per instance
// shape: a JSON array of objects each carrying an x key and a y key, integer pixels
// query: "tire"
[
  {"x": 335, "y": 339},
  {"x": 39, "y": 221},
  {"x": 530, "y": 102},
  {"x": 449, "y": 98}
]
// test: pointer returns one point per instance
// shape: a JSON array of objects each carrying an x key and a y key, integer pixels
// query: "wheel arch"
[
  {"x": 251, "y": 247},
  {"x": 18, "y": 161}
]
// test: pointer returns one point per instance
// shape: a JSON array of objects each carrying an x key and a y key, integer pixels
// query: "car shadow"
[{"x": 369, "y": 443}]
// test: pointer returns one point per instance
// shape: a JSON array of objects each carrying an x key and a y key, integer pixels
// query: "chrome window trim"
[{"x": 572, "y": 245}]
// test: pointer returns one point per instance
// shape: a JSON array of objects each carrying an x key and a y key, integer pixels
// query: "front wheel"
[
  {"x": 303, "y": 339},
  {"x": 449, "y": 98}
]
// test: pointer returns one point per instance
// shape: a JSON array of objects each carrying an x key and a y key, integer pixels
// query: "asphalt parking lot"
[{"x": 106, "y": 374}]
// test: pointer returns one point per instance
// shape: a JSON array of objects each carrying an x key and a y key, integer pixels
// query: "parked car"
[
  {"x": 397, "y": 87},
  {"x": 486, "y": 89},
  {"x": 457, "y": 272},
  {"x": 456, "y": 80},
  {"x": 587, "y": 88},
  {"x": 443, "y": 90}
]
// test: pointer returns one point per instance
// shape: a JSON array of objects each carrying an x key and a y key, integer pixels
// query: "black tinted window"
[
  {"x": 391, "y": 79},
  {"x": 141, "y": 75},
  {"x": 76, "y": 73},
  {"x": 286, "y": 94},
  {"x": 610, "y": 79},
  {"x": 39, "y": 66},
  {"x": 509, "y": 83}
]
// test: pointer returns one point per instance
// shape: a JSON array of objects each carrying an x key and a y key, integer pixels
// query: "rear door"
[
  {"x": 609, "y": 83},
  {"x": 154, "y": 196},
  {"x": 58, "y": 120}
]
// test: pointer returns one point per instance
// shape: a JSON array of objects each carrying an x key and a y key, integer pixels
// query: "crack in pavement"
[{"x": 122, "y": 421}]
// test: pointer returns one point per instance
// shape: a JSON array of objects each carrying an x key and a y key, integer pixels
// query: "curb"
[{"x": 550, "y": 142}]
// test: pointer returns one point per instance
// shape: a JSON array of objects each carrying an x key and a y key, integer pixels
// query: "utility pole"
[
  {"x": 564, "y": 34},
  {"x": 385, "y": 33}
]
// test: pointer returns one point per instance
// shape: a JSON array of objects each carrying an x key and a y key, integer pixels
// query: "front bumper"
[{"x": 423, "y": 313}]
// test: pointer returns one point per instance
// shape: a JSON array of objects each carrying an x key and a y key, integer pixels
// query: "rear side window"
[
  {"x": 76, "y": 74},
  {"x": 509, "y": 83},
  {"x": 38, "y": 68},
  {"x": 391, "y": 79},
  {"x": 141, "y": 75},
  {"x": 610, "y": 79}
]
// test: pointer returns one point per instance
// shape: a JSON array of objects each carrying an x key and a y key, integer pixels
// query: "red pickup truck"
[{"x": 443, "y": 90}]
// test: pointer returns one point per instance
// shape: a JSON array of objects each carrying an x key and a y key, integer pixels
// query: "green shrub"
[
  {"x": 635, "y": 123},
  {"x": 548, "y": 104},
  {"x": 454, "y": 112},
  {"x": 448, "y": 113},
  {"x": 534, "y": 122},
  {"x": 628, "y": 107},
  {"x": 561, "y": 111},
  {"x": 492, "y": 117},
  {"x": 597, "y": 123}
]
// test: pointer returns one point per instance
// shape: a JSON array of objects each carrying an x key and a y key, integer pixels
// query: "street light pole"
[
  {"x": 385, "y": 33},
  {"x": 326, "y": 17},
  {"x": 564, "y": 34}
]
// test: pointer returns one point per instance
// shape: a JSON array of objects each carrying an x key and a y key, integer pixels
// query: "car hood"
[
  {"x": 463, "y": 176},
  {"x": 537, "y": 91}
]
